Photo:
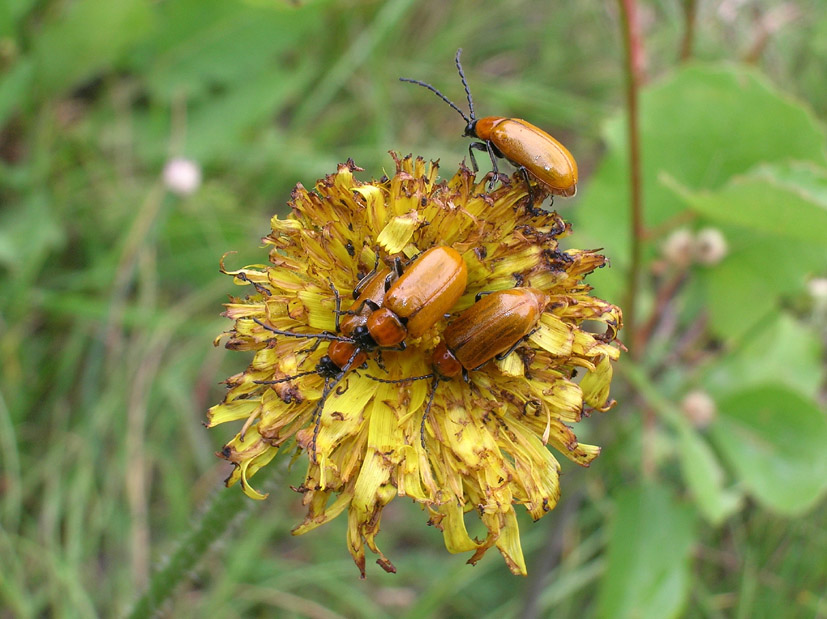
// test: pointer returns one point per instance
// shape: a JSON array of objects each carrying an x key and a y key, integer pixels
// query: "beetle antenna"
[
  {"x": 320, "y": 336},
  {"x": 329, "y": 385},
  {"x": 427, "y": 411},
  {"x": 440, "y": 95},
  {"x": 400, "y": 380},
  {"x": 430, "y": 397},
  {"x": 285, "y": 379},
  {"x": 465, "y": 85}
]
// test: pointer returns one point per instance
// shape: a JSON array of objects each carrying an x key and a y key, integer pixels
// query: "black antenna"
[
  {"x": 465, "y": 84},
  {"x": 427, "y": 411},
  {"x": 399, "y": 380},
  {"x": 319, "y": 336},
  {"x": 440, "y": 95},
  {"x": 329, "y": 384},
  {"x": 285, "y": 379},
  {"x": 430, "y": 396},
  {"x": 465, "y": 117}
]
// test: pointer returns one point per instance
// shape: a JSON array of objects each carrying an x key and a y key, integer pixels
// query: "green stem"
[
  {"x": 633, "y": 47},
  {"x": 226, "y": 506}
]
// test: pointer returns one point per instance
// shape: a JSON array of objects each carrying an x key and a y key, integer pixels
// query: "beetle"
[
  {"x": 530, "y": 149},
  {"x": 383, "y": 315},
  {"x": 493, "y": 327}
]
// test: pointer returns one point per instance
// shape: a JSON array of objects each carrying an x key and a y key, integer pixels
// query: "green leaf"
[
  {"x": 752, "y": 282},
  {"x": 204, "y": 44},
  {"x": 700, "y": 127},
  {"x": 22, "y": 252},
  {"x": 808, "y": 179},
  {"x": 11, "y": 13},
  {"x": 775, "y": 440},
  {"x": 780, "y": 350},
  {"x": 14, "y": 89},
  {"x": 90, "y": 37},
  {"x": 766, "y": 203},
  {"x": 648, "y": 556},
  {"x": 225, "y": 127},
  {"x": 705, "y": 478}
]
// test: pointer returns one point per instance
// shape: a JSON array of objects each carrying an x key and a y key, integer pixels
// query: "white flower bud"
[
  {"x": 818, "y": 289},
  {"x": 678, "y": 247},
  {"x": 182, "y": 176},
  {"x": 710, "y": 246},
  {"x": 699, "y": 408}
]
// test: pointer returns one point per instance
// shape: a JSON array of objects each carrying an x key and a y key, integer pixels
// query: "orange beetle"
[
  {"x": 411, "y": 305},
  {"x": 533, "y": 151},
  {"x": 416, "y": 301},
  {"x": 369, "y": 294},
  {"x": 491, "y": 328}
]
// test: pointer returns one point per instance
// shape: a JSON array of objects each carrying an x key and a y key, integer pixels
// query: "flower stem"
[
  {"x": 690, "y": 11},
  {"x": 633, "y": 47},
  {"x": 226, "y": 506}
]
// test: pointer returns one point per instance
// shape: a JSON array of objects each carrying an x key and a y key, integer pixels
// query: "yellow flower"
[{"x": 484, "y": 440}]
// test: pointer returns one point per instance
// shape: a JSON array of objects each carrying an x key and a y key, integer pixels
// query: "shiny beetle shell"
[
  {"x": 523, "y": 144},
  {"x": 427, "y": 289},
  {"x": 371, "y": 294},
  {"x": 492, "y": 325}
]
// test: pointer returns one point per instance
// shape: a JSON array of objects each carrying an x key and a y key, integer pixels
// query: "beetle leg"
[
  {"x": 483, "y": 293},
  {"x": 363, "y": 282},
  {"x": 399, "y": 346},
  {"x": 524, "y": 173},
  {"x": 338, "y": 307},
  {"x": 398, "y": 265},
  {"x": 516, "y": 345},
  {"x": 471, "y": 147},
  {"x": 358, "y": 310},
  {"x": 381, "y": 362},
  {"x": 397, "y": 270},
  {"x": 489, "y": 147}
]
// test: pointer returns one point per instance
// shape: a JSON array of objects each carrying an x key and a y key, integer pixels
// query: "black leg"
[
  {"x": 338, "y": 307},
  {"x": 380, "y": 362},
  {"x": 503, "y": 355},
  {"x": 483, "y": 293},
  {"x": 363, "y": 282},
  {"x": 524, "y": 174},
  {"x": 471, "y": 148},
  {"x": 397, "y": 271},
  {"x": 494, "y": 167}
]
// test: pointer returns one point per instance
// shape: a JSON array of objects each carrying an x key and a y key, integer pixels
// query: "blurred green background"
[{"x": 708, "y": 499}]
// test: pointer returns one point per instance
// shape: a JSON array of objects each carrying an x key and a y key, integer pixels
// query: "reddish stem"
[
  {"x": 633, "y": 47},
  {"x": 689, "y": 12}
]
